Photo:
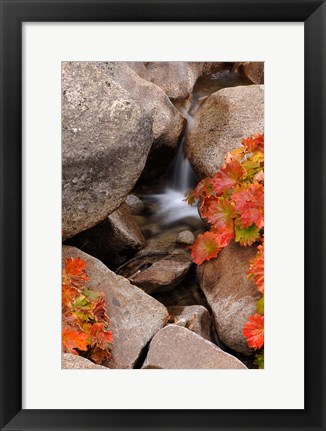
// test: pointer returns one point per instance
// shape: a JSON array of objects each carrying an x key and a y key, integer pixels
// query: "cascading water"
[{"x": 172, "y": 206}]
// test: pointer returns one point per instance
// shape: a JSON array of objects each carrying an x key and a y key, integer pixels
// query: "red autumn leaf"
[
  {"x": 249, "y": 203},
  {"x": 99, "y": 311},
  {"x": 219, "y": 212},
  {"x": 254, "y": 142},
  {"x": 100, "y": 336},
  {"x": 256, "y": 268},
  {"x": 253, "y": 331},
  {"x": 205, "y": 247},
  {"x": 69, "y": 318},
  {"x": 69, "y": 294},
  {"x": 73, "y": 339},
  {"x": 228, "y": 176},
  {"x": 224, "y": 236},
  {"x": 84, "y": 316},
  {"x": 74, "y": 272},
  {"x": 75, "y": 266},
  {"x": 204, "y": 189}
]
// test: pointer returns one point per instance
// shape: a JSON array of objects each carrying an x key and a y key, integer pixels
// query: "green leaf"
[
  {"x": 81, "y": 301},
  {"x": 94, "y": 296},
  {"x": 248, "y": 235},
  {"x": 260, "y": 305},
  {"x": 259, "y": 361}
]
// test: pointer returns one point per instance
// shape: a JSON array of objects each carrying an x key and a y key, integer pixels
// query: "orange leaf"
[
  {"x": 205, "y": 247},
  {"x": 228, "y": 176},
  {"x": 256, "y": 268},
  {"x": 73, "y": 339},
  {"x": 69, "y": 294},
  {"x": 254, "y": 142},
  {"x": 75, "y": 266},
  {"x": 237, "y": 154},
  {"x": 204, "y": 189},
  {"x": 74, "y": 272},
  {"x": 219, "y": 212},
  {"x": 249, "y": 203},
  {"x": 253, "y": 331},
  {"x": 99, "y": 311},
  {"x": 100, "y": 336},
  {"x": 224, "y": 236}
]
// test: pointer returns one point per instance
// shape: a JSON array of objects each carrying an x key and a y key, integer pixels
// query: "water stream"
[
  {"x": 181, "y": 177},
  {"x": 171, "y": 204}
]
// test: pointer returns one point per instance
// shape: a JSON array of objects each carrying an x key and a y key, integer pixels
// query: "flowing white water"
[{"x": 172, "y": 206}]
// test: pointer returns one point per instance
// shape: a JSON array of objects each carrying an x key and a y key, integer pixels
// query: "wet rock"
[
  {"x": 163, "y": 239},
  {"x": 135, "y": 204},
  {"x": 231, "y": 296},
  {"x": 251, "y": 70},
  {"x": 114, "y": 240},
  {"x": 135, "y": 316},
  {"x": 176, "y": 78},
  {"x": 158, "y": 272},
  {"x": 168, "y": 123},
  {"x": 106, "y": 138},
  {"x": 195, "y": 318},
  {"x": 227, "y": 116},
  {"x": 188, "y": 293},
  {"x": 185, "y": 237},
  {"x": 69, "y": 361},
  {"x": 158, "y": 240},
  {"x": 174, "y": 347}
]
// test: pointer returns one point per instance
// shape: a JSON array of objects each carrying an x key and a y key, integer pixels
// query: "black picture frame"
[{"x": 13, "y": 14}]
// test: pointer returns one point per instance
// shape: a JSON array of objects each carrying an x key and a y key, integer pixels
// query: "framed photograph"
[{"x": 164, "y": 163}]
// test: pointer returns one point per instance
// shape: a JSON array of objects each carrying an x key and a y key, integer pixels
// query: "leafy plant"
[
  {"x": 84, "y": 315},
  {"x": 253, "y": 330},
  {"x": 232, "y": 202}
]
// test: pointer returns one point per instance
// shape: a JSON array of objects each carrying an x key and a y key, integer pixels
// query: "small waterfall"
[
  {"x": 182, "y": 173},
  {"x": 182, "y": 178},
  {"x": 172, "y": 206}
]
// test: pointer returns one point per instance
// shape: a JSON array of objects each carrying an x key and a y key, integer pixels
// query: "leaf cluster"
[
  {"x": 232, "y": 202},
  {"x": 85, "y": 321},
  {"x": 253, "y": 330}
]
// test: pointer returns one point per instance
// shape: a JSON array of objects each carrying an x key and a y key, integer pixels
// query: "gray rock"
[
  {"x": 176, "y": 78},
  {"x": 174, "y": 347},
  {"x": 114, "y": 240},
  {"x": 168, "y": 123},
  {"x": 186, "y": 237},
  {"x": 221, "y": 122},
  {"x": 135, "y": 316},
  {"x": 158, "y": 240},
  {"x": 135, "y": 204},
  {"x": 106, "y": 138},
  {"x": 70, "y": 362},
  {"x": 193, "y": 317},
  {"x": 159, "y": 273},
  {"x": 231, "y": 296}
]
